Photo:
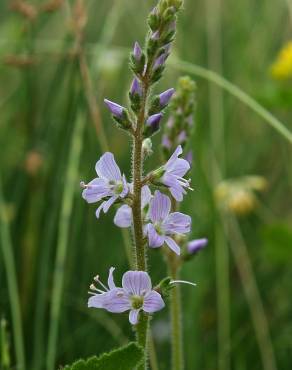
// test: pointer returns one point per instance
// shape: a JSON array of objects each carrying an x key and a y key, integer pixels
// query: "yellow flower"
[{"x": 281, "y": 69}]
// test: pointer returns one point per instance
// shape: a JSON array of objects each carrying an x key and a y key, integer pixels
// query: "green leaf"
[{"x": 124, "y": 358}]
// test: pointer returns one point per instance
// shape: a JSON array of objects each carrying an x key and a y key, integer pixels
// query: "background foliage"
[{"x": 52, "y": 84}]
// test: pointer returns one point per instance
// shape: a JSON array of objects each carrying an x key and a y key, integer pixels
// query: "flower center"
[
  {"x": 117, "y": 186},
  {"x": 137, "y": 301},
  {"x": 158, "y": 228}
]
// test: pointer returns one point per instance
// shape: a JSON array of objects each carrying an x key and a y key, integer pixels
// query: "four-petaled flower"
[
  {"x": 124, "y": 217},
  {"x": 135, "y": 295},
  {"x": 172, "y": 175},
  {"x": 165, "y": 224},
  {"x": 110, "y": 184}
]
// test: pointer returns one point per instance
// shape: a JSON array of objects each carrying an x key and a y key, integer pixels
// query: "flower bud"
[
  {"x": 152, "y": 124},
  {"x": 147, "y": 147},
  {"x": 119, "y": 113},
  {"x": 137, "y": 52},
  {"x": 194, "y": 246},
  {"x": 165, "y": 97},
  {"x": 137, "y": 59}
]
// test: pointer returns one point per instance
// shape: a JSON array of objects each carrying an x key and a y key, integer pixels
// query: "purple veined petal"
[
  {"x": 160, "y": 61},
  {"x": 116, "y": 301},
  {"x": 110, "y": 281},
  {"x": 125, "y": 190},
  {"x": 174, "y": 156},
  {"x": 177, "y": 222},
  {"x": 154, "y": 239},
  {"x": 153, "y": 302},
  {"x": 96, "y": 190},
  {"x": 196, "y": 245},
  {"x": 145, "y": 196},
  {"x": 107, "y": 168},
  {"x": 105, "y": 205},
  {"x": 97, "y": 300},
  {"x": 177, "y": 192},
  {"x": 180, "y": 167},
  {"x": 136, "y": 282},
  {"x": 172, "y": 245},
  {"x": 159, "y": 207},
  {"x": 123, "y": 217},
  {"x": 165, "y": 97},
  {"x": 115, "y": 109},
  {"x": 133, "y": 316}
]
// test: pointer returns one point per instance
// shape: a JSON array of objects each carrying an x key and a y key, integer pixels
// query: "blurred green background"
[{"x": 58, "y": 60}]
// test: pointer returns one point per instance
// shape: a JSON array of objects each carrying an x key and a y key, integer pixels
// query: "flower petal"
[
  {"x": 136, "y": 282},
  {"x": 110, "y": 281},
  {"x": 117, "y": 300},
  {"x": 96, "y": 190},
  {"x": 177, "y": 222},
  {"x": 97, "y": 300},
  {"x": 105, "y": 205},
  {"x": 154, "y": 239},
  {"x": 133, "y": 316},
  {"x": 172, "y": 245},
  {"x": 180, "y": 167},
  {"x": 178, "y": 151},
  {"x": 153, "y": 302},
  {"x": 145, "y": 195},
  {"x": 107, "y": 168},
  {"x": 123, "y": 217},
  {"x": 159, "y": 207}
]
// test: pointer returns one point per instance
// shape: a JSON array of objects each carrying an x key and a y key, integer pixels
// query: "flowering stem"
[{"x": 139, "y": 251}]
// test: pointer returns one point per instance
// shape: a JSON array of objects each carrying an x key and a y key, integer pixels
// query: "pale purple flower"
[
  {"x": 172, "y": 175},
  {"x": 165, "y": 224},
  {"x": 196, "y": 245},
  {"x": 137, "y": 52},
  {"x": 165, "y": 97},
  {"x": 109, "y": 184},
  {"x": 135, "y": 295},
  {"x": 136, "y": 88},
  {"x": 115, "y": 109},
  {"x": 124, "y": 217}
]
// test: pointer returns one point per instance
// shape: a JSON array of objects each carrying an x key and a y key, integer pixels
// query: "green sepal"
[
  {"x": 137, "y": 66},
  {"x": 124, "y": 358},
  {"x": 124, "y": 122},
  {"x": 164, "y": 287},
  {"x": 135, "y": 100},
  {"x": 157, "y": 74},
  {"x": 155, "y": 106}
]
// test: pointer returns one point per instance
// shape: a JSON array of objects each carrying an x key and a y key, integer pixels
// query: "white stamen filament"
[
  {"x": 93, "y": 287},
  {"x": 96, "y": 279},
  {"x": 182, "y": 282}
]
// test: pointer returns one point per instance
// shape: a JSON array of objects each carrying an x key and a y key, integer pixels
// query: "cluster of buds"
[
  {"x": 148, "y": 65},
  {"x": 238, "y": 195},
  {"x": 181, "y": 121}
]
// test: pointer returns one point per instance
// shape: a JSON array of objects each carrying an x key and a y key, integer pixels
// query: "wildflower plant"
[{"x": 149, "y": 203}]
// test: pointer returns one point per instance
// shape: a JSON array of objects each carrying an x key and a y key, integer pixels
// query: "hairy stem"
[{"x": 139, "y": 247}]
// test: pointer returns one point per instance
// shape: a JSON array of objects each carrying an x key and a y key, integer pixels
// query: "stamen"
[
  {"x": 96, "y": 279},
  {"x": 83, "y": 185},
  {"x": 93, "y": 287},
  {"x": 182, "y": 282}
]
